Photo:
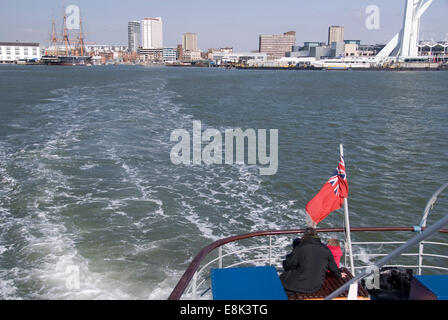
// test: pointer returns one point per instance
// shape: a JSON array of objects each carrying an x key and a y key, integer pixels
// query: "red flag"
[{"x": 331, "y": 196}]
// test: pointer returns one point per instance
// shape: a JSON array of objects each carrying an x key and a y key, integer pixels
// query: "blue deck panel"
[
  {"x": 437, "y": 284},
  {"x": 250, "y": 283}
]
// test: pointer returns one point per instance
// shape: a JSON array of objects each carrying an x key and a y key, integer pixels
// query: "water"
[{"x": 88, "y": 191}]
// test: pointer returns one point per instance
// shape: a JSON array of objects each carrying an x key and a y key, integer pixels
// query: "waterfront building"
[
  {"x": 298, "y": 51},
  {"x": 190, "y": 41},
  {"x": 11, "y": 52},
  {"x": 369, "y": 50},
  {"x": 276, "y": 45},
  {"x": 180, "y": 52},
  {"x": 351, "y": 50},
  {"x": 152, "y": 33},
  {"x": 170, "y": 54},
  {"x": 151, "y": 48},
  {"x": 191, "y": 56},
  {"x": 432, "y": 48},
  {"x": 105, "y": 53},
  {"x": 283, "y": 62},
  {"x": 335, "y": 34},
  {"x": 238, "y": 57},
  {"x": 309, "y": 44},
  {"x": 320, "y": 52},
  {"x": 153, "y": 55},
  {"x": 105, "y": 48},
  {"x": 225, "y": 49},
  {"x": 134, "y": 35},
  {"x": 211, "y": 51},
  {"x": 357, "y": 42},
  {"x": 337, "y": 49},
  {"x": 296, "y": 54}
]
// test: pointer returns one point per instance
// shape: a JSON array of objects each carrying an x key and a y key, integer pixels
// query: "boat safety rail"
[
  {"x": 437, "y": 226},
  {"x": 189, "y": 280},
  {"x": 420, "y": 255}
]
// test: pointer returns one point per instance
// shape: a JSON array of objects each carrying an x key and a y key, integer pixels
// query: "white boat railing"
[
  {"x": 397, "y": 252},
  {"x": 419, "y": 256}
]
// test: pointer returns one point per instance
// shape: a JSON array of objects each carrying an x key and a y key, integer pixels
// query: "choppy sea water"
[{"x": 87, "y": 187}]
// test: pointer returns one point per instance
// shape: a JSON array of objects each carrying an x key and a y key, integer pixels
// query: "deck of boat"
[{"x": 331, "y": 283}]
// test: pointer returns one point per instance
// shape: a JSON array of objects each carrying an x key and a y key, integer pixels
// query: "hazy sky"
[{"x": 234, "y": 23}]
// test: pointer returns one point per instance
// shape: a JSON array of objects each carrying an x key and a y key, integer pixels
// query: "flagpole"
[{"x": 347, "y": 224}]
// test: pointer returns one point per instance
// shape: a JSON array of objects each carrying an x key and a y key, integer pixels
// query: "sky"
[{"x": 234, "y": 23}]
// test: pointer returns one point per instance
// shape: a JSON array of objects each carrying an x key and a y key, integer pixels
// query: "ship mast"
[
  {"x": 54, "y": 39},
  {"x": 81, "y": 37},
  {"x": 65, "y": 36}
]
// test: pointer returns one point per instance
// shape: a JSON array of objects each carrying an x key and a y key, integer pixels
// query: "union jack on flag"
[
  {"x": 331, "y": 196},
  {"x": 339, "y": 175}
]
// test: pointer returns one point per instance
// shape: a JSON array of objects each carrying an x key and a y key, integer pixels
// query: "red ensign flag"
[{"x": 331, "y": 196}]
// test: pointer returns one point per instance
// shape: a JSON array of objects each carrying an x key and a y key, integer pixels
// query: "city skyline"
[{"x": 107, "y": 22}]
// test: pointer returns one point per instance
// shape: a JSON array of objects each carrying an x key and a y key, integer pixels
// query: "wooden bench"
[{"x": 330, "y": 284}]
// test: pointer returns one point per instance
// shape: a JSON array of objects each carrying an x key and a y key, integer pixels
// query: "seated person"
[
  {"x": 295, "y": 243},
  {"x": 306, "y": 266},
  {"x": 335, "y": 248}
]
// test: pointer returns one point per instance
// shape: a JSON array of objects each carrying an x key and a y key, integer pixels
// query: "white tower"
[
  {"x": 405, "y": 43},
  {"x": 152, "y": 33}
]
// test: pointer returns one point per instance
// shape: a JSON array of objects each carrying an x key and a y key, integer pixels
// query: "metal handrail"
[
  {"x": 399, "y": 251},
  {"x": 428, "y": 207},
  {"x": 419, "y": 254},
  {"x": 430, "y": 204},
  {"x": 414, "y": 241},
  {"x": 192, "y": 270}
]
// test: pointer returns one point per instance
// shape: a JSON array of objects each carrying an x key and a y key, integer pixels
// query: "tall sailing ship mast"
[
  {"x": 54, "y": 40},
  {"x": 65, "y": 36},
  {"x": 61, "y": 53},
  {"x": 81, "y": 49}
]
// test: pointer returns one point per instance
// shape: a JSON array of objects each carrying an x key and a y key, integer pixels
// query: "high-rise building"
[
  {"x": 276, "y": 45},
  {"x": 190, "y": 41},
  {"x": 152, "y": 33},
  {"x": 335, "y": 34},
  {"x": 134, "y": 36}
]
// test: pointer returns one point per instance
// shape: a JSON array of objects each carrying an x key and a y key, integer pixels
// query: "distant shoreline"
[{"x": 386, "y": 69}]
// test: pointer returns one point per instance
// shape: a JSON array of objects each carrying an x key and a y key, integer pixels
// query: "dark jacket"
[{"x": 306, "y": 267}]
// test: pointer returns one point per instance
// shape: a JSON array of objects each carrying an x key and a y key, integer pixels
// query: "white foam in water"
[
  {"x": 58, "y": 271},
  {"x": 204, "y": 227},
  {"x": 164, "y": 288},
  {"x": 53, "y": 267},
  {"x": 133, "y": 175},
  {"x": 88, "y": 166},
  {"x": 363, "y": 256},
  {"x": 69, "y": 277},
  {"x": 8, "y": 290},
  {"x": 7, "y": 187}
]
